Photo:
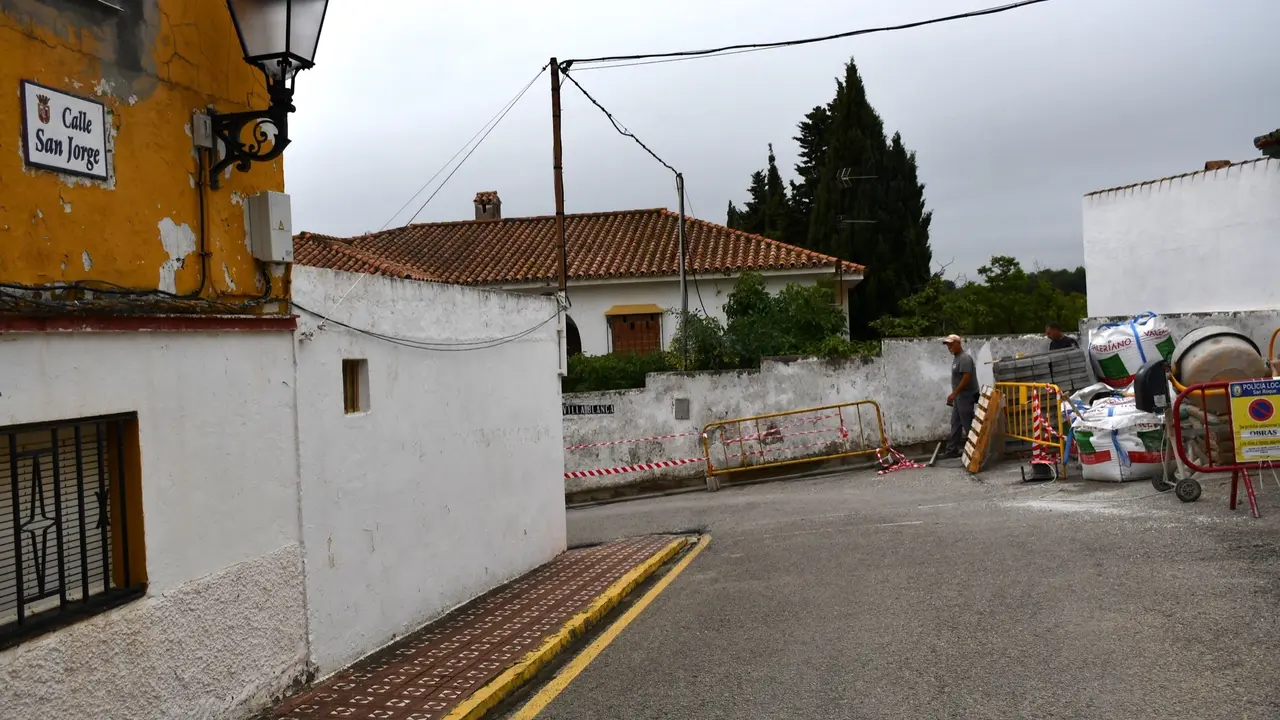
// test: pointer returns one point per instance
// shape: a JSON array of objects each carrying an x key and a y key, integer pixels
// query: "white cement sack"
[
  {"x": 1118, "y": 442},
  {"x": 1117, "y": 350},
  {"x": 1081, "y": 400}
]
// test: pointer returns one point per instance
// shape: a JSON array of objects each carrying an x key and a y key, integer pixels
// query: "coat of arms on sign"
[{"x": 42, "y": 108}]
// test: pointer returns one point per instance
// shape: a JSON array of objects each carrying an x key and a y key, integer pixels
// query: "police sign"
[{"x": 63, "y": 132}]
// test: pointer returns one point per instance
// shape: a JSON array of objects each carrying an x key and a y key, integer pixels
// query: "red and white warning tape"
[
  {"x": 757, "y": 436},
  {"x": 637, "y": 440},
  {"x": 632, "y": 468},
  {"x": 892, "y": 460},
  {"x": 766, "y": 451},
  {"x": 1040, "y": 455}
]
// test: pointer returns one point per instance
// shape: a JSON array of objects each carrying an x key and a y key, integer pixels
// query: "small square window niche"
[{"x": 355, "y": 385}]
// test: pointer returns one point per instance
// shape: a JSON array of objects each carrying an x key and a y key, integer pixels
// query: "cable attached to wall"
[{"x": 431, "y": 345}]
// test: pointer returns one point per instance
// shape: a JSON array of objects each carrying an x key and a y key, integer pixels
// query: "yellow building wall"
[{"x": 153, "y": 63}]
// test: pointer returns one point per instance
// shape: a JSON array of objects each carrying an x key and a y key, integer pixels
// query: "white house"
[
  {"x": 1197, "y": 242},
  {"x": 623, "y": 266}
]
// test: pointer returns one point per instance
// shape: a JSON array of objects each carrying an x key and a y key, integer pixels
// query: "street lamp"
[{"x": 280, "y": 38}]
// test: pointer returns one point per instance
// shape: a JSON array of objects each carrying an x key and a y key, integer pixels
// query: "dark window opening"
[
  {"x": 572, "y": 339},
  {"x": 355, "y": 386}
]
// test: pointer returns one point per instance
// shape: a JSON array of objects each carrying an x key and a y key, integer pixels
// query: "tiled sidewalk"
[{"x": 427, "y": 674}]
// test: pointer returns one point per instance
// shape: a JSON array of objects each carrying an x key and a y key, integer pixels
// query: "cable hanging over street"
[
  {"x": 676, "y": 56},
  {"x": 681, "y": 247}
]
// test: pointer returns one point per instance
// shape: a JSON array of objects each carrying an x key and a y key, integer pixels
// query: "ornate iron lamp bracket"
[{"x": 252, "y": 136}]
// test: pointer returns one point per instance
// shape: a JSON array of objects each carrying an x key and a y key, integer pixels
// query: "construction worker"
[
  {"x": 964, "y": 395},
  {"x": 1059, "y": 340}
]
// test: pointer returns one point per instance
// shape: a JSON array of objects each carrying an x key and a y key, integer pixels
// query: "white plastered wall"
[
  {"x": 221, "y": 630},
  {"x": 1203, "y": 242},
  {"x": 451, "y": 482}
]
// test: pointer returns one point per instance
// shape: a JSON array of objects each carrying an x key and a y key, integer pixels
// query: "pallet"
[{"x": 985, "y": 417}]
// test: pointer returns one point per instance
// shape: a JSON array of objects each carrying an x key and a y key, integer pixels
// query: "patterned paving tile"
[{"x": 426, "y": 674}]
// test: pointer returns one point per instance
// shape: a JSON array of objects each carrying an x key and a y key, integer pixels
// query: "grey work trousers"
[{"x": 961, "y": 421}]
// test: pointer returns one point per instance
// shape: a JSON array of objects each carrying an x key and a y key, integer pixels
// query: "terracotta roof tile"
[{"x": 629, "y": 243}]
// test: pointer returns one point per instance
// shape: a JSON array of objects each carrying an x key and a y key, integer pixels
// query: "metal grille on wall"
[{"x": 59, "y": 539}]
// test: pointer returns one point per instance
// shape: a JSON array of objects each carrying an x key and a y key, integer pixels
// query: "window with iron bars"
[{"x": 70, "y": 522}]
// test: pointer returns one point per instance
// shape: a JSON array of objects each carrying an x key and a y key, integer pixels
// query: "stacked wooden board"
[{"x": 985, "y": 418}]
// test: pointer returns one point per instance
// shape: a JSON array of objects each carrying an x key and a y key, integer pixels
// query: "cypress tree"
[
  {"x": 768, "y": 208},
  {"x": 879, "y": 222}
]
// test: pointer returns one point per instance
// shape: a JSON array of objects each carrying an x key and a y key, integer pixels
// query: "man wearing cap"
[{"x": 964, "y": 394}]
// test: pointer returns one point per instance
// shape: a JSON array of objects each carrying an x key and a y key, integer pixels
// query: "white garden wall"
[
  {"x": 450, "y": 483},
  {"x": 909, "y": 380},
  {"x": 222, "y": 627},
  {"x": 1194, "y": 243}
]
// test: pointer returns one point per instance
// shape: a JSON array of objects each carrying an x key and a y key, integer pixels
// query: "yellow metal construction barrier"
[
  {"x": 1021, "y": 400},
  {"x": 796, "y": 436}
]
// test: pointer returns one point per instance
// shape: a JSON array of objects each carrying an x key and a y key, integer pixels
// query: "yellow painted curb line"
[
  {"x": 483, "y": 700},
  {"x": 575, "y": 667}
]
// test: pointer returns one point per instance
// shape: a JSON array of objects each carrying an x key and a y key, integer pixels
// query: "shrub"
[
  {"x": 619, "y": 371},
  {"x": 799, "y": 320}
]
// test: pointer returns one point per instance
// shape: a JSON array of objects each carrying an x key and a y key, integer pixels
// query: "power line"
[
  {"x": 492, "y": 122},
  {"x": 626, "y": 60},
  {"x": 617, "y": 125},
  {"x": 432, "y": 345},
  {"x": 481, "y": 141},
  {"x": 622, "y": 130},
  {"x": 657, "y": 62},
  {"x": 485, "y": 129}
]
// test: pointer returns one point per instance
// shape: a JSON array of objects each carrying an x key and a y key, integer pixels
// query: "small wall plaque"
[
  {"x": 588, "y": 409},
  {"x": 63, "y": 132}
]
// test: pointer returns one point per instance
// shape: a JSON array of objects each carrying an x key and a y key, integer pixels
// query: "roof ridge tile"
[{"x": 608, "y": 244}]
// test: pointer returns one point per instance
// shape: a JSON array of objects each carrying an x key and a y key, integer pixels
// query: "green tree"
[
  {"x": 768, "y": 208},
  {"x": 812, "y": 142},
  {"x": 798, "y": 320},
  {"x": 941, "y": 308},
  {"x": 707, "y": 347},
  {"x": 1007, "y": 300},
  {"x": 750, "y": 218},
  {"x": 880, "y": 222},
  {"x": 1067, "y": 281}
]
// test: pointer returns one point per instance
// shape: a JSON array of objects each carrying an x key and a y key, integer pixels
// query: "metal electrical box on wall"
[{"x": 271, "y": 227}]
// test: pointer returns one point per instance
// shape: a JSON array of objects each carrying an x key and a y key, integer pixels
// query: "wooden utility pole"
[
  {"x": 684, "y": 285},
  {"x": 557, "y": 165}
]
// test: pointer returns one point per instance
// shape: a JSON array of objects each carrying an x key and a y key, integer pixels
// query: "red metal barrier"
[{"x": 1238, "y": 430}]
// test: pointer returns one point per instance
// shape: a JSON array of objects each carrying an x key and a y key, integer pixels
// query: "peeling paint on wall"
[
  {"x": 86, "y": 260},
  {"x": 909, "y": 381},
  {"x": 179, "y": 241},
  {"x": 151, "y": 65},
  {"x": 226, "y": 276}
]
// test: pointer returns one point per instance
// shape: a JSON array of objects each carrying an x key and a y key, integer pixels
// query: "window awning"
[{"x": 649, "y": 309}]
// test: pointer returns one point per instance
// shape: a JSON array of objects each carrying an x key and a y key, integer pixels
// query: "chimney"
[
  {"x": 488, "y": 206},
  {"x": 1210, "y": 165}
]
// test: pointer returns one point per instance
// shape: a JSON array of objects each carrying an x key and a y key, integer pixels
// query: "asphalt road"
[{"x": 925, "y": 594}]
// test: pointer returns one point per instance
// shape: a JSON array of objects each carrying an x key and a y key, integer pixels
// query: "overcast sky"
[{"x": 1013, "y": 117}]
